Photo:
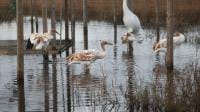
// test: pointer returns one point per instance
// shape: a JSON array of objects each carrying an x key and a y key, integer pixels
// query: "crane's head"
[
  {"x": 177, "y": 33},
  {"x": 127, "y": 37},
  {"x": 156, "y": 46},
  {"x": 52, "y": 31},
  {"x": 103, "y": 42}
]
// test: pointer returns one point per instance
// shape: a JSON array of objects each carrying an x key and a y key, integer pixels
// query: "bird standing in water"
[
  {"x": 132, "y": 22},
  {"x": 40, "y": 41},
  {"x": 178, "y": 38},
  {"x": 88, "y": 56}
]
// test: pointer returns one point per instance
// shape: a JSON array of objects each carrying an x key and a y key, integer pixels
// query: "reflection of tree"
[
  {"x": 68, "y": 90},
  {"x": 170, "y": 93},
  {"x": 196, "y": 95},
  {"x": 133, "y": 103},
  {"x": 190, "y": 89},
  {"x": 46, "y": 86},
  {"x": 157, "y": 88},
  {"x": 131, "y": 83},
  {"x": 87, "y": 90},
  {"x": 54, "y": 77}
]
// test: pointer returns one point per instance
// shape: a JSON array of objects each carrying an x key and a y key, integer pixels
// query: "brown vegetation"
[{"x": 186, "y": 11}]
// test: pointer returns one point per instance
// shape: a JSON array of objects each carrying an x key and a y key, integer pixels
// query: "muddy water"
[{"x": 122, "y": 81}]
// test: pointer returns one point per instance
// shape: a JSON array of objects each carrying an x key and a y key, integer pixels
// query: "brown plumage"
[{"x": 87, "y": 56}]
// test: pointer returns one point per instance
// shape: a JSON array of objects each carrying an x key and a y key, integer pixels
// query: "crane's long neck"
[
  {"x": 103, "y": 47},
  {"x": 125, "y": 6},
  {"x": 102, "y": 53}
]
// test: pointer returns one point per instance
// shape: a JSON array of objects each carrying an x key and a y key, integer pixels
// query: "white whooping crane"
[
  {"x": 88, "y": 56},
  {"x": 178, "y": 38},
  {"x": 132, "y": 22},
  {"x": 40, "y": 41}
]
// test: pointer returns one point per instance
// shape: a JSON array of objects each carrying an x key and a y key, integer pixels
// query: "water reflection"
[
  {"x": 170, "y": 93},
  {"x": 131, "y": 88},
  {"x": 135, "y": 80},
  {"x": 68, "y": 90},
  {"x": 21, "y": 96},
  {"x": 46, "y": 85}
]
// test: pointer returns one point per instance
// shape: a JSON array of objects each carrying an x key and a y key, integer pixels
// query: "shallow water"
[{"x": 122, "y": 81}]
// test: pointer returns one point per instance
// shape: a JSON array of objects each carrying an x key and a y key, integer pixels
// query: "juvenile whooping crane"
[
  {"x": 40, "y": 41},
  {"x": 178, "y": 38},
  {"x": 88, "y": 56}
]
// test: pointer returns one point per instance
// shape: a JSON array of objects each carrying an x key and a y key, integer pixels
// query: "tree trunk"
[
  {"x": 72, "y": 25},
  {"x": 170, "y": 29},
  {"x": 32, "y": 27},
  {"x": 66, "y": 16},
  {"x": 44, "y": 15},
  {"x": 20, "y": 56},
  {"x": 61, "y": 14},
  {"x": 69, "y": 95},
  {"x": 36, "y": 18},
  {"x": 157, "y": 20},
  {"x": 53, "y": 25},
  {"x": 115, "y": 21},
  {"x": 44, "y": 20},
  {"x": 85, "y": 27}
]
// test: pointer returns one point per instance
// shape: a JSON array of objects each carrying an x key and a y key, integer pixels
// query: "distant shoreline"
[{"x": 186, "y": 12}]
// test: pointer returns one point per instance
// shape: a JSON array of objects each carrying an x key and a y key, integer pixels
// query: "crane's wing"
[
  {"x": 47, "y": 36},
  {"x": 34, "y": 37},
  {"x": 84, "y": 55}
]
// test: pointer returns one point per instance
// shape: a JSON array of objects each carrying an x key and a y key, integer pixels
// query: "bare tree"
[
  {"x": 115, "y": 21},
  {"x": 72, "y": 24},
  {"x": 44, "y": 20},
  {"x": 44, "y": 15},
  {"x": 157, "y": 20},
  {"x": 20, "y": 56},
  {"x": 85, "y": 27},
  {"x": 32, "y": 28},
  {"x": 170, "y": 29}
]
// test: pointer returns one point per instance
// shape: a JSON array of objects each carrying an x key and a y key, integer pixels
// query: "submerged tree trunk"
[
  {"x": 44, "y": 20},
  {"x": 36, "y": 17},
  {"x": 115, "y": 21},
  {"x": 170, "y": 29},
  {"x": 72, "y": 24},
  {"x": 61, "y": 14},
  {"x": 85, "y": 27},
  {"x": 66, "y": 21},
  {"x": 32, "y": 27},
  {"x": 20, "y": 56},
  {"x": 53, "y": 25},
  {"x": 66, "y": 16},
  {"x": 44, "y": 15},
  {"x": 157, "y": 20}
]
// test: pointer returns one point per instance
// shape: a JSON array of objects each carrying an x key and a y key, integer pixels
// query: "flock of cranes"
[{"x": 134, "y": 33}]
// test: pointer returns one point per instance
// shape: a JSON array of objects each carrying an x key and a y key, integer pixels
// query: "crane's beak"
[{"x": 109, "y": 43}]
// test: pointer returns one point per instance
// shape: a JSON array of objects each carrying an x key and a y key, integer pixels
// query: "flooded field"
[{"x": 122, "y": 81}]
